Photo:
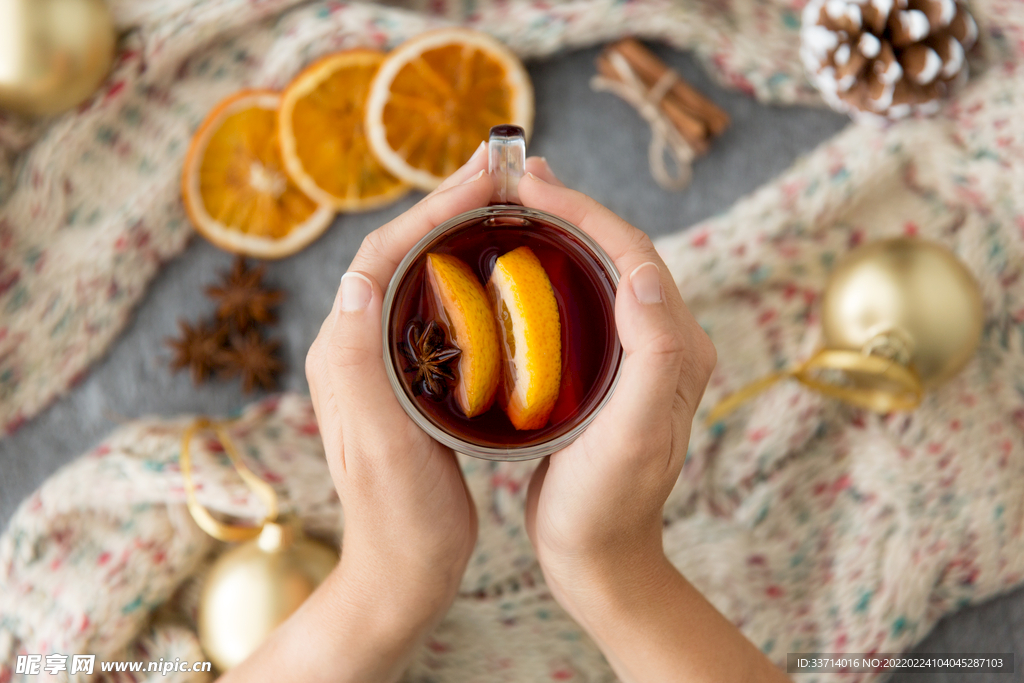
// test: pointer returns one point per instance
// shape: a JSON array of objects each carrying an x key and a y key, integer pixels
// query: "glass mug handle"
[{"x": 506, "y": 162}]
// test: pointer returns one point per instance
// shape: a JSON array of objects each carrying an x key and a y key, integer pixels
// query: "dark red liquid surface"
[{"x": 585, "y": 294}]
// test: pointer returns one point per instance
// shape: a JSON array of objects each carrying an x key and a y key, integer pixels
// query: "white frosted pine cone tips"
[{"x": 890, "y": 58}]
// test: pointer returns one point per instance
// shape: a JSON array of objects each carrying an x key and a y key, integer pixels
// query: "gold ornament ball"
[
  {"x": 254, "y": 587},
  {"x": 906, "y": 295},
  {"x": 53, "y": 53}
]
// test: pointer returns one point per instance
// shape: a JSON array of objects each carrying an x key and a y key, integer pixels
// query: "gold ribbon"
[
  {"x": 905, "y": 392},
  {"x": 223, "y": 531}
]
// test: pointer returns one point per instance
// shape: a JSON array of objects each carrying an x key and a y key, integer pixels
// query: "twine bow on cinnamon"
[
  {"x": 665, "y": 138},
  {"x": 681, "y": 119}
]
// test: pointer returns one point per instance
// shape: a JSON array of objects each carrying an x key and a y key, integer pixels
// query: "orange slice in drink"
[
  {"x": 234, "y": 187},
  {"x": 473, "y": 329},
  {"x": 322, "y": 141},
  {"x": 531, "y": 332},
  {"x": 435, "y": 99}
]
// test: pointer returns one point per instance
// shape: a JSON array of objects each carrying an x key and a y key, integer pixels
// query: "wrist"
[
  {"x": 416, "y": 574},
  {"x": 373, "y": 631},
  {"x": 603, "y": 566},
  {"x": 400, "y": 599},
  {"x": 594, "y": 592},
  {"x": 652, "y": 625},
  {"x": 344, "y": 633}
]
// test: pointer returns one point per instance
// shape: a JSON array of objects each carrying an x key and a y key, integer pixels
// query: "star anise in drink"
[{"x": 429, "y": 355}]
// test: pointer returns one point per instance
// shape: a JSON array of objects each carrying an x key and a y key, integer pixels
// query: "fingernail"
[
  {"x": 534, "y": 177},
  {"x": 479, "y": 150},
  {"x": 476, "y": 176},
  {"x": 544, "y": 160},
  {"x": 356, "y": 292},
  {"x": 646, "y": 282}
]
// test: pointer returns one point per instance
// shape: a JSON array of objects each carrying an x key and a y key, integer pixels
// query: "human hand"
[
  {"x": 594, "y": 509},
  {"x": 410, "y": 523},
  {"x": 406, "y": 505}
]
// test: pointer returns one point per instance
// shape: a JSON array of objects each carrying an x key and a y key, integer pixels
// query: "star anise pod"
[
  {"x": 241, "y": 297},
  {"x": 199, "y": 349},
  {"x": 254, "y": 357},
  {"x": 429, "y": 355}
]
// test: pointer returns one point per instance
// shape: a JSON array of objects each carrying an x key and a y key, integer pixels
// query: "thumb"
[
  {"x": 354, "y": 352},
  {"x": 654, "y": 345}
]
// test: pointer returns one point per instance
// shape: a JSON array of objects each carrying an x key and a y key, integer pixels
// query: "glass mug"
[{"x": 446, "y": 305}]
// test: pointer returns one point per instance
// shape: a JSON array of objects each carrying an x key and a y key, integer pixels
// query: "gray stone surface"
[{"x": 594, "y": 142}]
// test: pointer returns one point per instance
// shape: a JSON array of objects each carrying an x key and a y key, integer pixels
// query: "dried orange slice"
[
  {"x": 531, "y": 333},
  {"x": 322, "y": 141},
  {"x": 435, "y": 99},
  {"x": 234, "y": 187},
  {"x": 473, "y": 329}
]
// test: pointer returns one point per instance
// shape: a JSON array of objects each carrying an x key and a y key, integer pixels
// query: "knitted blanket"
[
  {"x": 90, "y": 204},
  {"x": 813, "y": 526}
]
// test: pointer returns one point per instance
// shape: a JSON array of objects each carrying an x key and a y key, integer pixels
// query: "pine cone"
[{"x": 891, "y": 58}]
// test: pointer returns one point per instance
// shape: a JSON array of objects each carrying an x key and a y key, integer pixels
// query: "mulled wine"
[{"x": 499, "y": 326}]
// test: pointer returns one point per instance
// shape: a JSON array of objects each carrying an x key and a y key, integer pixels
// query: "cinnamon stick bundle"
[
  {"x": 694, "y": 130},
  {"x": 695, "y": 116}
]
